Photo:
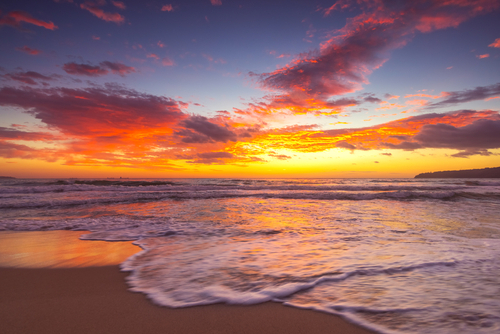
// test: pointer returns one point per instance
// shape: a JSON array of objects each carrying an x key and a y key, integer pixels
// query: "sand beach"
[{"x": 72, "y": 297}]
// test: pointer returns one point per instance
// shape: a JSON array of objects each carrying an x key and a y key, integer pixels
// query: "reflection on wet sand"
[{"x": 59, "y": 249}]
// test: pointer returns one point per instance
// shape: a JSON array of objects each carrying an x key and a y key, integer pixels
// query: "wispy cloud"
[
  {"x": 103, "y": 68},
  {"x": 464, "y": 96},
  {"x": 15, "y": 18},
  {"x": 29, "y": 77},
  {"x": 29, "y": 50},
  {"x": 98, "y": 12}
]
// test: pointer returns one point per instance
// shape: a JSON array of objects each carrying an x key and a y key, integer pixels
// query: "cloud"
[
  {"x": 117, "y": 68},
  {"x": 280, "y": 156},
  {"x": 483, "y": 56},
  {"x": 210, "y": 158},
  {"x": 467, "y": 153},
  {"x": 29, "y": 51},
  {"x": 199, "y": 129},
  {"x": 167, "y": 62},
  {"x": 495, "y": 44},
  {"x": 100, "y": 125},
  {"x": 481, "y": 134},
  {"x": 15, "y": 18},
  {"x": 400, "y": 134},
  {"x": 96, "y": 11},
  {"x": 167, "y": 8},
  {"x": 152, "y": 55},
  {"x": 28, "y": 77},
  {"x": 216, "y": 2},
  {"x": 94, "y": 71},
  {"x": 119, "y": 4},
  {"x": 101, "y": 110},
  {"x": 351, "y": 53},
  {"x": 12, "y": 134},
  {"x": 84, "y": 69},
  {"x": 390, "y": 96},
  {"x": 478, "y": 93}
]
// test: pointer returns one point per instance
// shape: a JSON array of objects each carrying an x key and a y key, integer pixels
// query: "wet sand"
[{"x": 95, "y": 299}]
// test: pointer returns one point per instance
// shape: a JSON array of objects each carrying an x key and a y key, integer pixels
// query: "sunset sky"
[{"x": 245, "y": 88}]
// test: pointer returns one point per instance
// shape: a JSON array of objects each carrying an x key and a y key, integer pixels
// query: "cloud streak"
[
  {"x": 98, "y": 12},
  {"x": 104, "y": 68},
  {"x": 468, "y": 95},
  {"x": 15, "y": 18},
  {"x": 29, "y": 51}
]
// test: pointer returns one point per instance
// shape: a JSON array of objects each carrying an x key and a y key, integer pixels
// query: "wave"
[
  {"x": 158, "y": 186},
  {"x": 134, "y": 197}
]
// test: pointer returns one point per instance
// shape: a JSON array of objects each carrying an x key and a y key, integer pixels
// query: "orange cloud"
[
  {"x": 495, "y": 44},
  {"x": 15, "y": 18},
  {"x": 486, "y": 55},
  {"x": 405, "y": 134}
]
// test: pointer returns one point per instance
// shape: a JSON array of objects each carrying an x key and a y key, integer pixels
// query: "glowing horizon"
[{"x": 248, "y": 90}]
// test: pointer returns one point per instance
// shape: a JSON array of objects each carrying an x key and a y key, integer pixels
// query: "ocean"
[{"x": 394, "y": 255}]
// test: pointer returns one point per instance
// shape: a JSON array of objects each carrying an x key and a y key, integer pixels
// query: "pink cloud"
[
  {"x": 167, "y": 8},
  {"x": 495, "y": 44},
  {"x": 29, "y": 51},
  {"x": 486, "y": 55},
  {"x": 96, "y": 38},
  {"x": 344, "y": 61},
  {"x": 160, "y": 44},
  {"x": 15, "y": 18},
  {"x": 94, "y": 71},
  {"x": 167, "y": 62},
  {"x": 96, "y": 11},
  {"x": 216, "y": 2},
  {"x": 119, "y": 4},
  {"x": 152, "y": 55}
]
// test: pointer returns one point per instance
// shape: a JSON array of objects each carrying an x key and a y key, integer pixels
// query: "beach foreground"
[{"x": 96, "y": 300}]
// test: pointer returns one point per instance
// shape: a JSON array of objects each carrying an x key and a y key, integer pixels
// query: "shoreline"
[{"x": 96, "y": 300}]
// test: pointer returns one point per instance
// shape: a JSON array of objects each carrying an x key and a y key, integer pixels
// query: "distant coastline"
[
  {"x": 7, "y": 177},
  {"x": 468, "y": 173}
]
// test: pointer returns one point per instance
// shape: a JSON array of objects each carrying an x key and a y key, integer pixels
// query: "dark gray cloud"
[
  {"x": 199, "y": 129},
  {"x": 478, "y": 93},
  {"x": 481, "y": 134}
]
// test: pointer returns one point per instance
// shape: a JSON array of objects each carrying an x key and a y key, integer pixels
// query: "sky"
[{"x": 248, "y": 89}]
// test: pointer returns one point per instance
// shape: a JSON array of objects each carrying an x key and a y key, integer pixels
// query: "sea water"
[{"x": 394, "y": 255}]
